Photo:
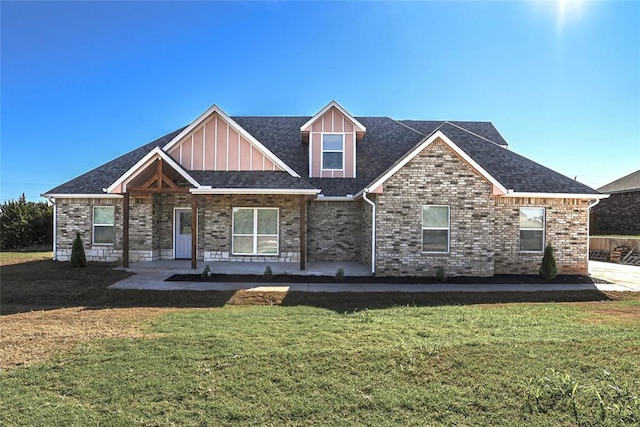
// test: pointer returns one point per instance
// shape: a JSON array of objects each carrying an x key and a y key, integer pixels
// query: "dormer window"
[{"x": 332, "y": 151}]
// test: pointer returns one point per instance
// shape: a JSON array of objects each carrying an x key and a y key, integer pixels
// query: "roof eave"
[
  {"x": 512, "y": 193},
  {"x": 290, "y": 191}
]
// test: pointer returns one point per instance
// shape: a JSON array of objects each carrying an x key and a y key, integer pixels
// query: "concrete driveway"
[{"x": 627, "y": 276}]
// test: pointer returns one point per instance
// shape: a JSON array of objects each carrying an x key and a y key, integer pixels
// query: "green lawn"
[
  {"x": 19, "y": 257},
  {"x": 512, "y": 364}
]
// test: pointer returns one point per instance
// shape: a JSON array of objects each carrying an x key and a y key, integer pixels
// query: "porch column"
[
  {"x": 303, "y": 232},
  {"x": 194, "y": 231},
  {"x": 125, "y": 230}
]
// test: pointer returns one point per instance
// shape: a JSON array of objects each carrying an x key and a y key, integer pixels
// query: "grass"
[
  {"x": 9, "y": 258},
  {"x": 502, "y": 364}
]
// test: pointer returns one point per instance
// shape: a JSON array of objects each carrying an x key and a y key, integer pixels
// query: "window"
[
  {"x": 103, "y": 225},
  {"x": 435, "y": 228},
  {"x": 255, "y": 231},
  {"x": 531, "y": 229},
  {"x": 332, "y": 151}
]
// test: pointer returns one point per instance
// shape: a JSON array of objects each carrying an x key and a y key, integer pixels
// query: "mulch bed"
[{"x": 501, "y": 279}]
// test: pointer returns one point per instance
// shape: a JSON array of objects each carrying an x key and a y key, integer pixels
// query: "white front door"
[{"x": 182, "y": 230}]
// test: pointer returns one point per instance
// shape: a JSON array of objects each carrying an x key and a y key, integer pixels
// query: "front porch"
[{"x": 313, "y": 268}]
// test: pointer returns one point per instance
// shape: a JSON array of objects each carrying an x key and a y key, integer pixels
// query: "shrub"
[
  {"x": 206, "y": 273},
  {"x": 441, "y": 274},
  {"x": 78, "y": 258},
  {"x": 340, "y": 275},
  {"x": 268, "y": 273},
  {"x": 548, "y": 268}
]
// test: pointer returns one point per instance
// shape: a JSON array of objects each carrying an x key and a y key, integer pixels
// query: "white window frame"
[
  {"x": 94, "y": 224},
  {"x": 543, "y": 229},
  {"x": 255, "y": 234},
  {"x": 448, "y": 228},
  {"x": 322, "y": 150}
]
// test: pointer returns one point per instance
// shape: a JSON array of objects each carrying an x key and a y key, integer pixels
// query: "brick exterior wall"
[
  {"x": 618, "y": 214},
  {"x": 436, "y": 176},
  {"x": 151, "y": 227},
  {"x": 217, "y": 231},
  {"x": 334, "y": 230},
  {"x": 566, "y": 229},
  {"x": 484, "y": 229}
]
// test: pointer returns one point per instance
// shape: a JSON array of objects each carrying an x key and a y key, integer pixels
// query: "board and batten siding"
[
  {"x": 333, "y": 121},
  {"x": 216, "y": 146}
]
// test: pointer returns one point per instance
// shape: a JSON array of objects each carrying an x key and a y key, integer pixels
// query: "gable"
[
  {"x": 217, "y": 145},
  {"x": 335, "y": 123}
]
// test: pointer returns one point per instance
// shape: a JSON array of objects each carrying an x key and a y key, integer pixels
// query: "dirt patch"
[{"x": 34, "y": 336}]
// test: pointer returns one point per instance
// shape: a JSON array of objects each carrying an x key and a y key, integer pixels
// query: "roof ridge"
[
  {"x": 407, "y": 126},
  {"x": 475, "y": 134}
]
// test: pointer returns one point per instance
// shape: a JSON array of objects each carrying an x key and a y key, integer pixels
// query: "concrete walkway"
[{"x": 153, "y": 278}]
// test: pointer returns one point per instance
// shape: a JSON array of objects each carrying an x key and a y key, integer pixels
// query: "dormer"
[{"x": 332, "y": 135}]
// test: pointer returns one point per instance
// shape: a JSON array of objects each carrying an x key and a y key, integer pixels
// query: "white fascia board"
[
  {"x": 215, "y": 109},
  {"x": 81, "y": 196},
  {"x": 322, "y": 198},
  {"x": 406, "y": 159},
  {"x": 149, "y": 158},
  {"x": 209, "y": 190},
  {"x": 344, "y": 112},
  {"x": 557, "y": 195}
]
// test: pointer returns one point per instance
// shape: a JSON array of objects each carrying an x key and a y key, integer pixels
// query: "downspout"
[
  {"x": 55, "y": 220},
  {"x": 590, "y": 205},
  {"x": 373, "y": 230}
]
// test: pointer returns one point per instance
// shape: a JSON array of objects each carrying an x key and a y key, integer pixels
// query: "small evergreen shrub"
[
  {"x": 78, "y": 258},
  {"x": 548, "y": 268},
  {"x": 206, "y": 273},
  {"x": 268, "y": 273},
  {"x": 340, "y": 275},
  {"x": 441, "y": 274}
]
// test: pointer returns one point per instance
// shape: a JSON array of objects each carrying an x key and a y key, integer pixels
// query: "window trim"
[
  {"x": 543, "y": 229},
  {"x": 322, "y": 151},
  {"x": 448, "y": 228},
  {"x": 94, "y": 224},
  {"x": 255, "y": 234}
]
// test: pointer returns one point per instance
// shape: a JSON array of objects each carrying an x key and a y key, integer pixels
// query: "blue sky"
[{"x": 84, "y": 82}]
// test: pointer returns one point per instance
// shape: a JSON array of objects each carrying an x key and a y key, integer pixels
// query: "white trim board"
[
  {"x": 344, "y": 112},
  {"x": 143, "y": 163}
]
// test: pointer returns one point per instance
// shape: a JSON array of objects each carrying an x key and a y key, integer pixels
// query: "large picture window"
[
  {"x": 103, "y": 225},
  {"x": 255, "y": 231},
  {"x": 531, "y": 229},
  {"x": 435, "y": 228},
  {"x": 332, "y": 151}
]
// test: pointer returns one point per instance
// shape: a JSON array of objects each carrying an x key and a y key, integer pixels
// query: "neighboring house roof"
[
  {"x": 385, "y": 143},
  {"x": 627, "y": 183}
]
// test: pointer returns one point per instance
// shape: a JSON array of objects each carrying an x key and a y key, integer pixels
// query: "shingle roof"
[
  {"x": 385, "y": 142},
  {"x": 245, "y": 179},
  {"x": 512, "y": 170},
  {"x": 629, "y": 182}
]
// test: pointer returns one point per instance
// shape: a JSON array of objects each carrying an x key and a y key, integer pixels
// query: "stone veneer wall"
[
  {"x": 334, "y": 230},
  {"x": 436, "y": 176},
  {"x": 217, "y": 231},
  {"x": 618, "y": 214},
  {"x": 566, "y": 229}
]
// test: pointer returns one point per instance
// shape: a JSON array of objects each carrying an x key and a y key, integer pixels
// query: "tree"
[
  {"x": 548, "y": 268},
  {"x": 78, "y": 258},
  {"x": 25, "y": 224}
]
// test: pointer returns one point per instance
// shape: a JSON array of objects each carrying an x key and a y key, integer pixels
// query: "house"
[
  {"x": 619, "y": 214},
  {"x": 401, "y": 196}
]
